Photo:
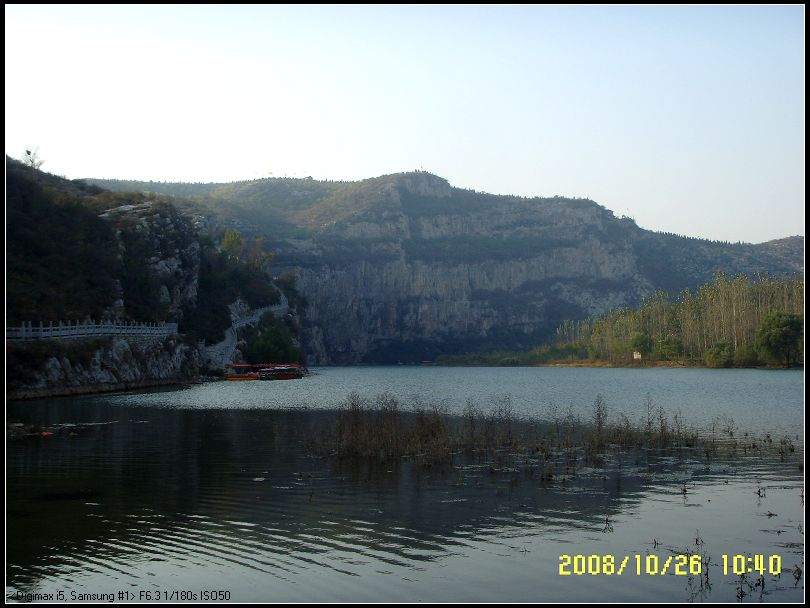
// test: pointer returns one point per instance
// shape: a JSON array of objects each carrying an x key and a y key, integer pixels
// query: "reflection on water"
[{"x": 235, "y": 500}]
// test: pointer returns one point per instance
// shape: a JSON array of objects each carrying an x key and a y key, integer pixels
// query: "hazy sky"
[{"x": 689, "y": 119}]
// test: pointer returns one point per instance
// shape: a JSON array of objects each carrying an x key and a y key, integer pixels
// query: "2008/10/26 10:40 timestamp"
[{"x": 679, "y": 564}]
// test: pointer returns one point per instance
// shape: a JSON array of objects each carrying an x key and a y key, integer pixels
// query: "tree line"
[
  {"x": 734, "y": 321},
  {"x": 731, "y": 322}
]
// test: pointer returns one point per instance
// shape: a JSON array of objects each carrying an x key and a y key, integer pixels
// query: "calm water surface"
[
  {"x": 215, "y": 487},
  {"x": 755, "y": 399}
]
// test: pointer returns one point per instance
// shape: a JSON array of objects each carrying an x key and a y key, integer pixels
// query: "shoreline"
[
  {"x": 27, "y": 394},
  {"x": 618, "y": 364},
  {"x": 597, "y": 364}
]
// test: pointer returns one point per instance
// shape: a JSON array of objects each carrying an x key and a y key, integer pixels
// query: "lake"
[{"x": 216, "y": 489}]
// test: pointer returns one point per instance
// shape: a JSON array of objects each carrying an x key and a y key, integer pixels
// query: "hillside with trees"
[
  {"x": 406, "y": 267},
  {"x": 62, "y": 260},
  {"x": 76, "y": 252},
  {"x": 732, "y": 322}
]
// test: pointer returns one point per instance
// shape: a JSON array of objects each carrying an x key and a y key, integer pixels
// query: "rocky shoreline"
[{"x": 25, "y": 394}]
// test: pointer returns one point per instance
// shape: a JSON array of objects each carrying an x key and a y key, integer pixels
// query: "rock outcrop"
[
  {"x": 160, "y": 247},
  {"x": 81, "y": 366}
]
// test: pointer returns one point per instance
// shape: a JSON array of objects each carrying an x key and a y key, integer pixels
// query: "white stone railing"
[{"x": 88, "y": 329}]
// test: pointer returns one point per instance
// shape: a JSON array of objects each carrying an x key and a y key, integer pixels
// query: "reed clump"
[{"x": 384, "y": 428}]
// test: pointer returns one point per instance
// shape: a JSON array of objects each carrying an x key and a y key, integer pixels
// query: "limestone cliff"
[
  {"x": 433, "y": 269},
  {"x": 406, "y": 267}
]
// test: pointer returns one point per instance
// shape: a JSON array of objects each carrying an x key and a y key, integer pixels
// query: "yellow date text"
[{"x": 647, "y": 565}]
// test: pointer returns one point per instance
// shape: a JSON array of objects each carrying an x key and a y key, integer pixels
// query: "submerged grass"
[{"x": 385, "y": 429}]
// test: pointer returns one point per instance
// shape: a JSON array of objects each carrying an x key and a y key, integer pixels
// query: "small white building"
[{"x": 636, "y": 356}]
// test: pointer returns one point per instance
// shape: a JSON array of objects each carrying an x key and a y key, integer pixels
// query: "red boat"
[
  {"x": 264, "y": 371},
  {"x": 282, "y": 372}
]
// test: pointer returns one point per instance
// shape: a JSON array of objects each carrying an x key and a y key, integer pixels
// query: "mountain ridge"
[
  {"x": 301, "y": 195},
  {"x": 406, "y": 267}
]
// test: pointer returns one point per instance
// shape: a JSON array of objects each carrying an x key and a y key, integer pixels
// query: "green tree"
[
  {"x": 669, "y": 349},
  {"x": 746, "y": 356},
  {"x": 720, "y": 355},
  {"x": 641, "y": 343},
  {"x": 272, "y": 343},
  {"x": 780, "y": 337},
  {"x": 232, "y": 243},
  {"x": 255, "y": 255}
]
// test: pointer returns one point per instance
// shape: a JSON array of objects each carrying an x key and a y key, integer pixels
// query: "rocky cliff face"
[
  {"x": 160, "y": 252},
  {"x": 433, "y": 269},
  {"x": 405, "y": 267},
  {"x": 78, "y": 366}
]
